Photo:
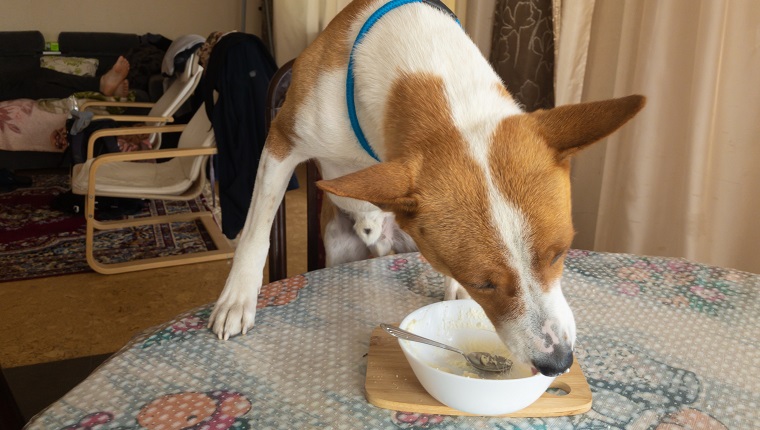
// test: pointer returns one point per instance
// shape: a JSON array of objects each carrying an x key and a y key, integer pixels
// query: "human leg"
[{"x": 46, "y": 83}]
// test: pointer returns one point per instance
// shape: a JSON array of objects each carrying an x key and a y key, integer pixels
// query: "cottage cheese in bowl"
[{"x": 449, "y": 378}]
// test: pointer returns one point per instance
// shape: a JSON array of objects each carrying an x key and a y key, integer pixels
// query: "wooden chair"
[
  {"x": 278, "y": 265},
  {"x": 181, "y": 178}
]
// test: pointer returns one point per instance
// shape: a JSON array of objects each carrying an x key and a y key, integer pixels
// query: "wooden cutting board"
[{"x": 391, "y": 384}]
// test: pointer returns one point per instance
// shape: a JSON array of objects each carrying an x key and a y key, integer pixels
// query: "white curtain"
[
  {"x": 682, "y": 178},
  {"x": 296, "y": 23},
  {"x": 572, "y": 20},
  {"x": 476, "y": 17}
]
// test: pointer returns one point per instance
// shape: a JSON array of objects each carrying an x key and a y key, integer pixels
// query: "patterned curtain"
[{"x": 522, "y": 51}]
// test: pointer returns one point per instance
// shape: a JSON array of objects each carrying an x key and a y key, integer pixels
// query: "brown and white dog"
[{"x": 482, "y": 187}]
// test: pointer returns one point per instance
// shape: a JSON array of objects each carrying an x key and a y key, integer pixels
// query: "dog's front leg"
[
  {"x": 235, "y": 309},
  {"x": 384, "y": 245},
  {"x": 453, "y": 290},
  {"x": 381, "y": 248}
]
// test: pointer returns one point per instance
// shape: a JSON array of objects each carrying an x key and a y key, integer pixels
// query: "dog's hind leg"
[{"x": 235, "y": 309}]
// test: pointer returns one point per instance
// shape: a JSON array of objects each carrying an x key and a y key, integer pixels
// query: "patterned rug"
[{"x": 38, "y": 241}]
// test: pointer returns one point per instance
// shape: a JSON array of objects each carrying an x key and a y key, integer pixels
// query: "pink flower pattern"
[
  {"x": 634, "y": 273},
  {"x": 411, "y": 420},
  {"x": 14, "y": 112},
  {"x": 398, "y": 264},
  {"x": 677, "y": 283}
]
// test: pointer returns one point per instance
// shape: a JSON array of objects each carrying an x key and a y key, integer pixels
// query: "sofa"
[{"x": 21, "y": 51}]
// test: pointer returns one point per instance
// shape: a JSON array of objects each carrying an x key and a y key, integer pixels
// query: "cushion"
[
  {"x": 73, "y": 43},
  {"x": 14, "y": 43},
  {"x": 71, "y": 65},
  {"x": 125, "y": 178},
  {"x": 104, "y": 46},
  {"x": 19, "y": 54}
]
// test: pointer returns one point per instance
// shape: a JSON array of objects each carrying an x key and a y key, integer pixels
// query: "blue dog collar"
[{"x": 393, "y": 4}]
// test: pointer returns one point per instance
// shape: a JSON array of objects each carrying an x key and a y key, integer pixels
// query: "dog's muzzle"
[{"x": 555, "y": 363}]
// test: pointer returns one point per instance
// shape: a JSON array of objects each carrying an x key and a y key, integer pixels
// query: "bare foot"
[
  {"x": 114, "y": 81},
  {"x": 122, "y": 90}
]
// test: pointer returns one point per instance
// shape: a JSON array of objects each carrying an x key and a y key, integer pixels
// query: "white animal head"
[{"x": 369, "y": 225}]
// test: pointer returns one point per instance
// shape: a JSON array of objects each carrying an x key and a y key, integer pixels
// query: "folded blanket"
[
  {"x": 29, "y": 125},
  {"x": 26, "y": 127}
]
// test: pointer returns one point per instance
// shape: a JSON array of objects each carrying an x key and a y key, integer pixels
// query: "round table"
[{"x": 664, "y": 343}]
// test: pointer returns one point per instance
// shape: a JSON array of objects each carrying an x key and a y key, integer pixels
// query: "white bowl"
[{"x": 449, "y": 378}]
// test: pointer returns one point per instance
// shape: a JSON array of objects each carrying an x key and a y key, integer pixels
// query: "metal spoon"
[{"x": 479, "y": 360}]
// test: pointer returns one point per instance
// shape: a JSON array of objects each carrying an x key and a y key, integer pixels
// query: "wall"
[{"x": 170, "y": 18}]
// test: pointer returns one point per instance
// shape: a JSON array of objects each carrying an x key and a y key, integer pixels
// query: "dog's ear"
[
  {"x": 571, "y": 128},
  {"x": 386, "y": 185}
]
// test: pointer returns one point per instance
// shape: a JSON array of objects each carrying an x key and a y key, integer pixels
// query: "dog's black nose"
[
  {"x": 556, "y": 363},
  {"x": 367, "y": 230}
]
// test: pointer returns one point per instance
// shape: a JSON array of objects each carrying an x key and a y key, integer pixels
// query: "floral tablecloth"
[{"x": 665, "y": 344}]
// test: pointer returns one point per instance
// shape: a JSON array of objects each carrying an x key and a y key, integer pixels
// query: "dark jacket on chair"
[{"x": 239, "y": 69}]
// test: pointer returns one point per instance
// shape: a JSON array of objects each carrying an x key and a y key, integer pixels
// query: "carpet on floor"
[{"x": 38, "y": 241}]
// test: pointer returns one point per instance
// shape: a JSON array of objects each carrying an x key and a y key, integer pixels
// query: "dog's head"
[{"x": 498, "y": 219}]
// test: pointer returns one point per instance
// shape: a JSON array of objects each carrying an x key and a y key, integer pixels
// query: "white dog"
[{"x": 360, "y": 235}]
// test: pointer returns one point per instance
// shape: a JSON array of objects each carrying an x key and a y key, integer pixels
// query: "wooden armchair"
[{"x": 181, "y": 178}]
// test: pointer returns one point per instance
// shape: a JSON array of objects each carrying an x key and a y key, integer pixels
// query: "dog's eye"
[
  {"x": 557, "y": 257},
  {"x": 486, "y": 286}
]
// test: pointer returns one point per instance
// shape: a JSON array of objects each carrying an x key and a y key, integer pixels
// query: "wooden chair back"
[{"x": 278, "y": 265}]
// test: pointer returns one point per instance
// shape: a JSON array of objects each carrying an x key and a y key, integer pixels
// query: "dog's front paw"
[
  {"x": 382, "y": 247},
  {"x": 234, "y": 312}
]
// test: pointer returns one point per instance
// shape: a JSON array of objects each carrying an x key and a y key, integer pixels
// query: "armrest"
[
  {"x": 152, "y": 155},
  {"x": 142, "y": 155},
  {"x": 87, "y": 104},
  {"x": 135, "y": 118},
  {"x": 125, "y": 131}
]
